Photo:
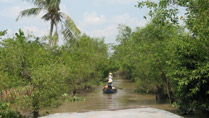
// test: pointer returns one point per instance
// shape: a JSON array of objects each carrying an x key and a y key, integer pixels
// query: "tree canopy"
[{"x": 168, "y": 54}]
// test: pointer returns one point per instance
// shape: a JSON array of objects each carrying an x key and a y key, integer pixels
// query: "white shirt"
[{"x": 110, "y": 78}]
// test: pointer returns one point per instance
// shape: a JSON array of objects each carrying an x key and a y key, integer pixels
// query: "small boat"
[{"x": 107, "y": 89}]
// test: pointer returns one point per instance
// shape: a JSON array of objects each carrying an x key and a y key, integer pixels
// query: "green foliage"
[
  {"x": 7, "y": 112},
  {"x": 197, "y": 17},
  {"x": 190, "y": 57},
  {"x": 75, "y": 98},
  {"x": 166, "y": 54},
  {"x": 162, "y": 53},
  {"x": 168, "y": 14},
  {"x": 36, "y": 77},
  {"x": 2, "y": 33},
  {"x": 190, "y": 75},
  {"x": 111, "y": 65},
  {"x": 84, "y": 61},
  {"x": 143, "y": 54}
]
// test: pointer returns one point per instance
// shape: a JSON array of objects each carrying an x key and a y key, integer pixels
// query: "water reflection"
[{"x": 124, "y": 98}]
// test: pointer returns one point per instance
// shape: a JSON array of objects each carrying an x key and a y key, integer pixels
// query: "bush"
[{"x": 7, "y": 112}]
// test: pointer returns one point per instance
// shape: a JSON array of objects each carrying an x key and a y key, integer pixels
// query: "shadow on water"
[{"x": 125, "y": 98}]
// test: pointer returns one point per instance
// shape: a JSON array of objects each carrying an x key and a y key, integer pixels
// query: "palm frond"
[
  {"x": 70, "y": 29},
  {"x": 59, "y": 17},
  {"x": 66, "y": 33},
  {"x": 29, "y": 12},
  {"x": 46, "y": 17},
  {"x": 39, "y": 3},
  {"x": 55, "y": 4}
]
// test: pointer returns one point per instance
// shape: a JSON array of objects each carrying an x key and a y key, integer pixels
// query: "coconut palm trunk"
[
  {"x": 50, "y": 32},
  {"x": 55, "y": 40}
]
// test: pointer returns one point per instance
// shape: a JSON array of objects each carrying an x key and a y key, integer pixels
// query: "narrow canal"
[{"x": 125, "y": 98}]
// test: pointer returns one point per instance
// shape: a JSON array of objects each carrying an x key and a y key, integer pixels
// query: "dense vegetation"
[
  {"x": 34, "y": 76},
  {"x": 166, "y": 57},
  {"x": 36, "y": 73}
]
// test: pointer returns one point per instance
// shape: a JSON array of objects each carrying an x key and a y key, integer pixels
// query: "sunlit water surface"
[{"x": 125, "y": 98}]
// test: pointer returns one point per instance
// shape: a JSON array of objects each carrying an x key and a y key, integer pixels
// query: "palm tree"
[{"x": 53, "y": 14}]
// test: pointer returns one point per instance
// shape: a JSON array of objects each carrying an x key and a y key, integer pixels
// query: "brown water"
[{"x": 123, "y": 99}]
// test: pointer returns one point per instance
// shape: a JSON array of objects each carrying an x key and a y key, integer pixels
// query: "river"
[{"x": 125, "y": 98}]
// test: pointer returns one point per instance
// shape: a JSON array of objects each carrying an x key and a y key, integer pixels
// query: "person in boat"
[{"x": 110, "y": 77}]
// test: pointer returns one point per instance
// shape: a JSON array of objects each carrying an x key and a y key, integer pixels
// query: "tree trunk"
[
  {"x": 159, "y": 93},
  {"x": 50, "y": 33},
  {"x": 35, "y": 107},
  {"x": 163, "y": 76},
  {"x": 56, "y": 34},
  {"x": 168, "y": 87},
  {"x": 35, "y": 113}
]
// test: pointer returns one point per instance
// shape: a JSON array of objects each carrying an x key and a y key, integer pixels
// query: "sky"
[{"x": 96, "y": 18}]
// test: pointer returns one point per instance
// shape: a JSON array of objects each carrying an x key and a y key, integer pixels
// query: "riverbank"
[{"x": 125, "y": 113}]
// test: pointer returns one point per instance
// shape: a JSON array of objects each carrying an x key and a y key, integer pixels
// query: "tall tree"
[
  {"x": 189, "y": 61},
  {"x": 53, "y": 14}
]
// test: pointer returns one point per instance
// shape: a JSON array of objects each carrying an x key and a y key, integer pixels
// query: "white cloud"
[
  {"x": 95, "y": 20},
  {"x": 109, "y": 33},
  {"x": 11, "y": 12},
  {"x": 126, "y": 19},
  {"x": 14, "y": 11},
  {"x": 93, "y": 23},
  {"x": 24, "y": 23},
  {"x": 109, "y": 29},
  {"x": 34, "y": 30},
  {"x": 92, "y": 19}
]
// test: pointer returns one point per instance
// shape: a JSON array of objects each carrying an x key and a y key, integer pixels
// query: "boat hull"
[{"x": 109, "y": 90}]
